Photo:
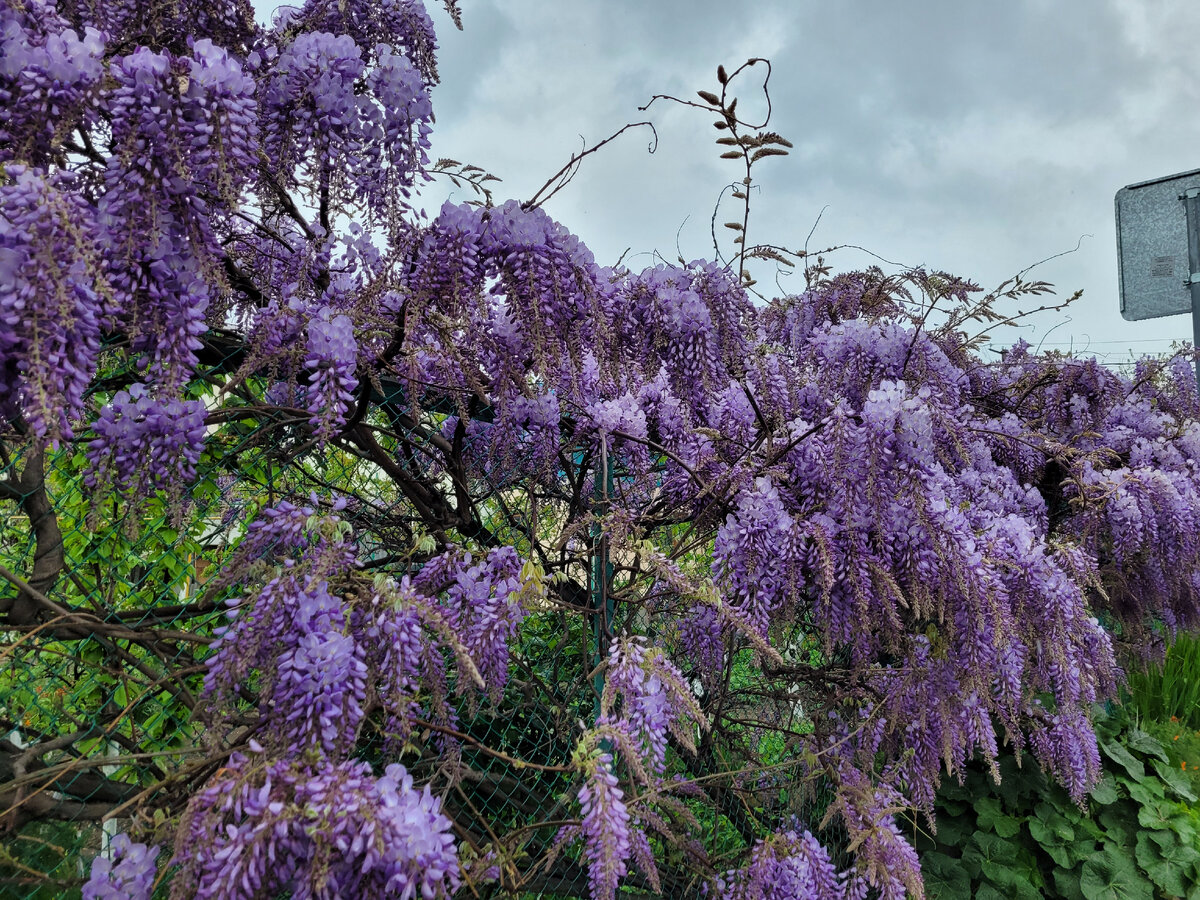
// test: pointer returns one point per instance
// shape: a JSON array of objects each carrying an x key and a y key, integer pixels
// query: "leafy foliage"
[
  {"x": 1138, "y": 836},
  {"x": 1170, "y": 689}
]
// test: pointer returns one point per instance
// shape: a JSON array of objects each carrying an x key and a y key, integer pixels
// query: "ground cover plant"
[
  {"x": 351, "y": 551},
  {"x": 1137, "y": 837}
]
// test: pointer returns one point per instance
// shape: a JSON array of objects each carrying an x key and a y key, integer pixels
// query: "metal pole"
[
  {"x": 1191, "y": 204},
  {"x": 602, "y": 602}
]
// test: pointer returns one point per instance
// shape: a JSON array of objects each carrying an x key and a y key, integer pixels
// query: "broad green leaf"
[
  {"x": 991, "y": 848},
  {"x": 1050, "y": 841},
  {"x": 953, "y": 831},
  {"x": 1083, "y": 850},
  {"x": 1170, "y": 863},
  {"x": 1067, "y": 883},
  {"x": 945, "y": 878},
  {"x": 1164, "y": 815},
  {"x": 1119, "y": 827},
  {"x": 1090, "y": 828},
  {"x": 1122, "y": 757},
  {"x": 1136, "y": 739},
  {"x": 1175, "y": 779},
  {"x": 1148, "y": 791},
  {"x": 1055, "y": 821},
  {"x": 1023, "y": 883},
  {"x": 1018, "y": 783},
  {"x": 991, "y": 817},
  {"x": 1112, "y": 875},
  {"x": 1105, "y": 792}
]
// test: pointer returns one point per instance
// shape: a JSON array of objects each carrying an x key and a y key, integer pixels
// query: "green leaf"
[
  {"x": 985, "y": 847},
  {"x": 1170, "y": 863},
  {"x": 1105, "y": 792},
  {"x": 1124, "y": 758},
  {"x": 1018, "y": 783},
  {"x": 1175, "y": 779},
  {"x": 1145, "y": 743},
  {"x": 953, "y": 831},
  {"x": 1147, "y": 791},
  {"x": 1089, "y": 827},
  {"x": 1067, "y": 884},
  {"x": 950, "y": 792},
  {"x": 1022, "y": 883},
  {"x": 1149, "y": 851},
  {"x": 1166, "y": 816},
  {"x": 953, "y": 807},
  {"x": 1081, "y": 851},
  {"x": 1112, "y": 875},
  {"x": 1055, "y": 821},
  {"x": 945, "y": 877},
  {"x": 1117, "y": 823},
  {"x": 1053, "y": 840},
  {"x": 993, "y": 818},
  {"x": 1007, "y": 826}
]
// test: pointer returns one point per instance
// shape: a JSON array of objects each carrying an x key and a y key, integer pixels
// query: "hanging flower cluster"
[
  {"x": 127, "y": 873},
  {"x": 50, "y": 302},
  {"x": 338, "y": 831},
  {"x": 143, "y": 444},
  {"x": 332, "y": 357}
]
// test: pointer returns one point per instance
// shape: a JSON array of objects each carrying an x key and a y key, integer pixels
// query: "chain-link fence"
[{"x": 109, "y": 608}]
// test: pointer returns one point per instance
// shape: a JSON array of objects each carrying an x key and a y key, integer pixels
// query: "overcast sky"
[{"x": 974, "y": 137}]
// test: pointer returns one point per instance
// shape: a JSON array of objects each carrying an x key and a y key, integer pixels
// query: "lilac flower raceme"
[
  {"x": 158, "y": 225},
  {"x": 48, "y": 75},
  {"x": 316, "y": 115},
  {"x": 127, "y": 873},
  {"x": 655, "y": 700},
  {"x": 783, "y": 867},
  {"x": 143, "y": 444},
  {"x": 50, "y": 301},
  {"x": 332, "y": 357},
  {"x": 401, "y": 24},
  {"x": 313, "y": 674},
  {"x": 228, "y": 23},
  {"x": 484, "y": 608},
  {"x": 753, "y": 552},
  {"x": 606, "y": 834},
  {"x": 334, "y": 831},
  {"x": 319, "y": 657},
  {"x": 321, "y": 679}
]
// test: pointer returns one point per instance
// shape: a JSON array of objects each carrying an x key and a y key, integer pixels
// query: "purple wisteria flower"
[
  {"x": 126, "y": 873},
  {"x": 324, "y": 833},
  {"x": 50, "y": 301},
  {"x": 144, "y": 443},
  {"x": 332, "y": 357},
  {"x": 783, "y": 867},
  {"x": 753, "y": 552},
  {"x": 606, "y": 829}
]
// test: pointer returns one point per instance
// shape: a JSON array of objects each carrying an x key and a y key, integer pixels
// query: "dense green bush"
[{"x": 1138, "y": 838}]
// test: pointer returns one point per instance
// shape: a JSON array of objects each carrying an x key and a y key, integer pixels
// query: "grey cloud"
[{"x": 978, "y": 137}]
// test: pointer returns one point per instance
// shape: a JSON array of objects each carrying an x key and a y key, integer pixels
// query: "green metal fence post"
[{"x": 601, "y": 574}]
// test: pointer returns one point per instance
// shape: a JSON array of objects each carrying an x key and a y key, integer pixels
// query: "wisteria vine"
[{"x": 665, "y": 547}]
